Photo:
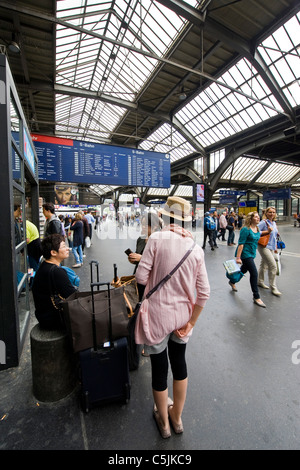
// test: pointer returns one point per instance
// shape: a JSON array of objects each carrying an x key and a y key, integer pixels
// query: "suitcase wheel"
[
  {"x": 85, "y": 402},
  {"x": 127, "y": 393}
]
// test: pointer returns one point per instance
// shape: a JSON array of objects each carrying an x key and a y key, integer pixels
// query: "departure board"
[{"x": 74, "y": 161}]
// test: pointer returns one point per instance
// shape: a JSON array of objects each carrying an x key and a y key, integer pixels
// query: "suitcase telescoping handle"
[
  {"x": 97, "y": 270},
  {"x": 98, "y": 285}
]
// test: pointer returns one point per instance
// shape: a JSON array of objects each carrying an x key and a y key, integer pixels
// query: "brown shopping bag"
[
  {"x": 77, "y": 313},
  {"x": 131, "y": 294}
]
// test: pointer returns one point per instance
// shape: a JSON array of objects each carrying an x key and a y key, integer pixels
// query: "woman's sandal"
[
  {"x": 232, "y": 286},
  {"x": 165, "y": 433},
  {"x": 177, "y": 428}
]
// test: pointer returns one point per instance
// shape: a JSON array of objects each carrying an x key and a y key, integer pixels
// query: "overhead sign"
[
  {"x": 74, "y": 161},
  {"x": 248, "y": 204},
  {"x": 232, "y": 192},
  {"x": 228, "y": 199},
  {"x": 282, "y": 193}
]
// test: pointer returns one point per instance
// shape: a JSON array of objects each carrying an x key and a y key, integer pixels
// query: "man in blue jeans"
[{"x": 209, "y": 226}]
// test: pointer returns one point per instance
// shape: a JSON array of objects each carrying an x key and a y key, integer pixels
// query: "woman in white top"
[{"x": 267, "y": 253}]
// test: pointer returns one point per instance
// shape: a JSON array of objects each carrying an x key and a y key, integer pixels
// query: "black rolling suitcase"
[
  {"x": 134, "y": 350},
  {"x": 104, "y": 368}
]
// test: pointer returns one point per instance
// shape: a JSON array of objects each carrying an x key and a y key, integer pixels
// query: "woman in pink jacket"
[{"x": 166, "y": 319}]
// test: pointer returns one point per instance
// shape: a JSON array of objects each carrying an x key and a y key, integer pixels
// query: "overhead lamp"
[
  {"x": 182, "y": 95},
  {"x": 14, "y": 45}
]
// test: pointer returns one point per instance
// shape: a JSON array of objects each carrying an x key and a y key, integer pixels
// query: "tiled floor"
[{"x": 243, "y": 371}]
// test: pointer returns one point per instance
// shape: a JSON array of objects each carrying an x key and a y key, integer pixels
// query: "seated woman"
[{"x": 51, "y": 278}]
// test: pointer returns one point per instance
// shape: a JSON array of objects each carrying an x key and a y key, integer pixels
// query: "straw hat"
[{"x": 178, "y": 208}]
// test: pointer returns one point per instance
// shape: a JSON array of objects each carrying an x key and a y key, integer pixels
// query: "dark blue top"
[{"x": 78, "y": 233}]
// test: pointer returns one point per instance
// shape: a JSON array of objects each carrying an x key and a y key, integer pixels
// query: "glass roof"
[
  {"x": 281, "y": 53},
  {"x": 167, "y": 140},
  {"x": 244, "y": 169},
  {"x": 240, "y": 98},
  {"x": 218, "y": 113},
  {"x": 99, "y": 62},
  {"x": 108, "y": 55}
]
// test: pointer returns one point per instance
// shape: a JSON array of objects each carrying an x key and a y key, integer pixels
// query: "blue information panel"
[
  {"x": 74, "y": 161},
  {"x": 272, "y": 194}
]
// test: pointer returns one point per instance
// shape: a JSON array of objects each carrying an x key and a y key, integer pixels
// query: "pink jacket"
[
  {"x": 222, "y": 221},
  {"x": 170, "y": 307}
]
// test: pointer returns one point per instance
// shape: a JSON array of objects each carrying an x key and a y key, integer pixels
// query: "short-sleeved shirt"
[
  {"x": 32, "y": 232},
  {"x": 249, "y": 239},
  {"x": 263, "y": 225}
]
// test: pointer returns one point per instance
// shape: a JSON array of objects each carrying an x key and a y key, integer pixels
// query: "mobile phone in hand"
[{"x": 128, "y": 251}]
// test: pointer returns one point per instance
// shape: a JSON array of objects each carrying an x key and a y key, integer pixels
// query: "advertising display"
[
  {"x": 66, "y": 194},
  {"x": 200, "y": 193}
]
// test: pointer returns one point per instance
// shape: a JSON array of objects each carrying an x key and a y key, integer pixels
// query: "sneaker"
[
  {"x": 78, "y": 265},
  {"x": 276, "y": 292}
]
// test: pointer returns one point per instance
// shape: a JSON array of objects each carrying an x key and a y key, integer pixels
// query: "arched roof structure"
[{"x": 215, "y": 83}]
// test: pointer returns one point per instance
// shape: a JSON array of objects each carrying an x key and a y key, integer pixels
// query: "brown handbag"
[
  {"x": 78, "y": 317},
  {"x": 264, "y": 240}
]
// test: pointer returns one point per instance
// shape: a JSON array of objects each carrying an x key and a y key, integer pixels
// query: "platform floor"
[{"x": 243, "y": 382}]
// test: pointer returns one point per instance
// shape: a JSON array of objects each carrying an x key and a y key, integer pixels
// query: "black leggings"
[
  {"x": 160, "y": 365},
  {"x": 249, "y": 265}
]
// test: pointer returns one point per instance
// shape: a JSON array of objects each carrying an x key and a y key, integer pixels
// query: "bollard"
[{"x": 53, "y": 364}]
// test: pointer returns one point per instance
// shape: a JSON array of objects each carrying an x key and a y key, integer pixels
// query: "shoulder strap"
[
  {"x": 55, "y": 296},
  {"x": 52, "y": 283},
  {"x": 51, "y": 280},
  {"x": 168, "y": 276}
]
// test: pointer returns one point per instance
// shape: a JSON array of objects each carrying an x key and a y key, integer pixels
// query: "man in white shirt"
[
  {"x": 91, "y": 220},
  {"x": 222, "y": 226}
]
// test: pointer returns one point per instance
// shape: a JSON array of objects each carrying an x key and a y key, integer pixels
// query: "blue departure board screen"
[{"x": 74, "y": 161}]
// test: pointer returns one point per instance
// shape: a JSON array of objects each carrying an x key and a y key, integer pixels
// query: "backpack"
[
  {"x": 73, "y": 278},
  {"x": 210, "y": 223},
  {"x": 55, "y": 227}
]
